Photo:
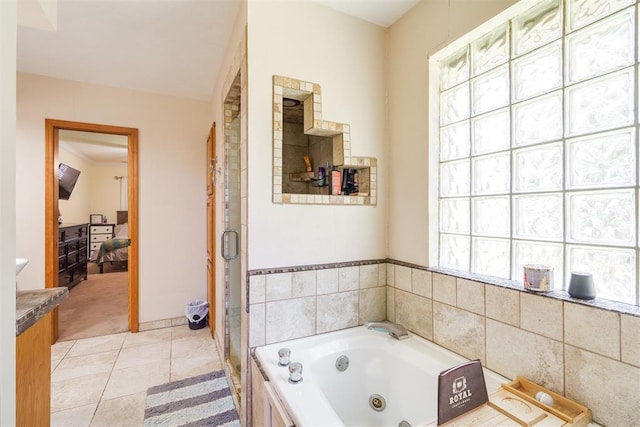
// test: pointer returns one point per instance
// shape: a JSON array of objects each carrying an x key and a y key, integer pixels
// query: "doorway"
[{"x": 52, "y": 145}]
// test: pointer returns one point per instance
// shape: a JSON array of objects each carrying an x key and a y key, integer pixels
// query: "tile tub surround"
[
  {"x": 587, "y": 351},
  {"x": 295, "y": 302}
]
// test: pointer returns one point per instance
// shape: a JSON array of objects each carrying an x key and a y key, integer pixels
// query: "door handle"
[
  {"x": 213, "y": 161},
  {"x": 225, "y": 255}
]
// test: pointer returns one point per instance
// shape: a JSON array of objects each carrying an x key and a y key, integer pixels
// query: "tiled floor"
[{"x": 103, "y": 381}]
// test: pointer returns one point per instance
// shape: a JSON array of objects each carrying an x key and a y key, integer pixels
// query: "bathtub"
[{"x": 403, "y": 372}]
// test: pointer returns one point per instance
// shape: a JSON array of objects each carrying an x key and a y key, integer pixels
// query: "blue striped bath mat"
[{"x": 204, "y": 400}]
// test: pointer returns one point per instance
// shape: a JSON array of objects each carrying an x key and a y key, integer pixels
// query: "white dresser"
[{"x": 98, "y": 233}]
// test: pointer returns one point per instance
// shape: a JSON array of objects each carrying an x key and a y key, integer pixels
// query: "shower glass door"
[{"x": 232, "y": 223}]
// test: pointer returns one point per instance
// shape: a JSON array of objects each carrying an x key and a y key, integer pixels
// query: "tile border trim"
[{"x": 600, "y": 303}]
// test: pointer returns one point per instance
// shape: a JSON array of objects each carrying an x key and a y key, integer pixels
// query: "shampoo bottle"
[{"x": 336, "y": 182}]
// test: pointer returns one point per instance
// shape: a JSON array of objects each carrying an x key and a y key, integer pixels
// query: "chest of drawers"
[
  {"x": 98, "y": 234},
  {"x": 72, "y": 254}
]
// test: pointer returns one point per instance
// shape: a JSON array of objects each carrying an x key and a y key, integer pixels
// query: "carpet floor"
[
  {"x": 95, "y": 307},
  {"x": 204, "y": 400}
]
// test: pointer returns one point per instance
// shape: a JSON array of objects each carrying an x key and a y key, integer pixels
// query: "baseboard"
[{"x": 164, "y": 323}]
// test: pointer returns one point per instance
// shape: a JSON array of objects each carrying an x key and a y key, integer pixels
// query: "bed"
[{"x": 115, "y": 249}]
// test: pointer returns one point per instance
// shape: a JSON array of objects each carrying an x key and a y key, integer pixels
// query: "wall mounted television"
[{"x": 67, "y": 178}]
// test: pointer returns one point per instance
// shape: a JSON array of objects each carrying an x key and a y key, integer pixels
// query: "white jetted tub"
[{"x": 400, "y": 375}]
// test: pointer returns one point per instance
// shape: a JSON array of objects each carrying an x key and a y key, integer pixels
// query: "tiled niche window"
[
  {"x": 537, "y": 145},
  {"x": 300, "y": 131}
]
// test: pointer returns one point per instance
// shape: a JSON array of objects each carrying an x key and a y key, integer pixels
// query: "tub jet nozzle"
[{"x": 377, "y": 402}]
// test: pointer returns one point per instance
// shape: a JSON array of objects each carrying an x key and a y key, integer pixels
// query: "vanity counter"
[{"x": 33, "y": 305}]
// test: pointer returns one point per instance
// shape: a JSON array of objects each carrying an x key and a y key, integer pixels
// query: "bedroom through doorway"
[{"x": 91, "y": 227}]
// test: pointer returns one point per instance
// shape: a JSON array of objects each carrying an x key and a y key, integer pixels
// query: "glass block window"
[{"x": 538, "y": 145}]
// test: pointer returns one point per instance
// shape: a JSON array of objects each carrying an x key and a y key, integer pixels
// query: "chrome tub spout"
[{"x": 395, "y": 330}]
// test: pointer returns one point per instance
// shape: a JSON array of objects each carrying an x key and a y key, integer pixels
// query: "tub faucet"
[{"x": 395, "y": 330}]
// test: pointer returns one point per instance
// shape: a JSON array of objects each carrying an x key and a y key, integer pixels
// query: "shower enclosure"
[{"x": 232, "y": 227}]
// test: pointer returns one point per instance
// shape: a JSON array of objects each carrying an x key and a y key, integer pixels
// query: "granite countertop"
[{"x": 33, "y": 305}]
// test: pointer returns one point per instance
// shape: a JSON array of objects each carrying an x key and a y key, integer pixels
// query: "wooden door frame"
[{"x": 51, "y": 208}]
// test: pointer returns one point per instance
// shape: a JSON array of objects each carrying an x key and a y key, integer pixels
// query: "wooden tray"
[
  {"x": 515, "y": 405},
  {"x": 571, "y": 412}
]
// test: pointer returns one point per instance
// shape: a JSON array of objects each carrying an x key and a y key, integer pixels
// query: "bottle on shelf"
[{"x": 336, "y": 182}]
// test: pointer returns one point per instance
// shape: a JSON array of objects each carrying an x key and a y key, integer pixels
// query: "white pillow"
[{"x": 122, "y": 231}]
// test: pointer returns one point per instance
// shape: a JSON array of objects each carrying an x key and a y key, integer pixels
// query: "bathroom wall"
[
  {"x": 8, "y": 35},
  {"x": 424, "y": 30},
  {"x": 346, "y": 57},
  {"x": 105, "y": 190},
  {"x": 589, "y": 353},
  {"x": 77, "y": 208},
  {"x": 172, "y": 206},
  {"x": 96, "y": 191}
]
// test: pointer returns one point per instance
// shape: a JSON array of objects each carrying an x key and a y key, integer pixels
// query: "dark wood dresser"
[{"x": 72, "y": 254}]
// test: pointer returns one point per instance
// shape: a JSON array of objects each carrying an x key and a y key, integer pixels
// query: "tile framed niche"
[{"x": 299, "y": 131}]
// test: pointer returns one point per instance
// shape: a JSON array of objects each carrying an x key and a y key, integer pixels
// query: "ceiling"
[
  {"x": 380, "y": 12},
  {"x": 172, "y": 47},
  {"x": 95, "y": 147}
]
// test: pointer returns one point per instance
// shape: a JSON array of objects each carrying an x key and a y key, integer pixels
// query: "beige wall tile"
[
  {"x": 327, "y": 281},
  {"x": 470, "y": 296},
  {"x": 502, "y": 304},
  {"x": 630, "y": 336},
  {"x": 459, "y": 330},
  {"x": 541, "y": 315},
  {"x": 278, "y": 286},
  {"x": 391, "y": 274},
  {"x": 414, "y": 313},
  {"x": 444, "y": 288},
  {"x": 512, "y": 351},
  {"x": 391, "y": 304},
  {"x": 592, "y": 329},
  {"x": 257, "y": 288},
  {"x": 348, "y": 278},
  {"x": 421, "y": 282},
  {"x": 607, "y": 387},
  {"x": 337, "y": 311},
  {"x": 303, "y": 283},
  {"x": 382, "y": 274},
  {"x": 403, "y": 278},
  {"x": 369, "y": 276},
  {"x": 290, "y": 319},
  {"x": 372, "y": 304},
  {"x": 257, "y": 325}
]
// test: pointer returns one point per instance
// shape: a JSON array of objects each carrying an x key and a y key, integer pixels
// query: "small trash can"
[{"x": 197, "y": 313}]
